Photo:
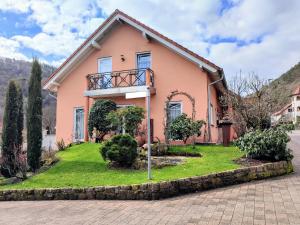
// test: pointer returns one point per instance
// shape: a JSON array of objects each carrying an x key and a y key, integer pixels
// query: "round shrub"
[
  {"x": 268, "y": 144},
  {"x": 121, "y": 148}
]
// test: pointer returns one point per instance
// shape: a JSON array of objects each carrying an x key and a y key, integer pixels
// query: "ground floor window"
[
  {"x": 78, "y": 124},
  {"x": 175, "y": 110}
]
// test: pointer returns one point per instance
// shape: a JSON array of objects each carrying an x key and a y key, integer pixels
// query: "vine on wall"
[{"x": 166, "y": 118}]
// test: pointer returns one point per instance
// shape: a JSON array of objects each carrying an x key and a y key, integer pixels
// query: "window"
[
  {"x": 298, "y": 98},
  {"x": 105, "y": 67},
  {"x": 290, "y": 110},
  {"x": 298, "y": 108},
  {"x": 212, "y": 114},
  {"x": 175, "y": 110},
  {"x": 78, "y": 124},
  {"x": 143, "y": 62}
]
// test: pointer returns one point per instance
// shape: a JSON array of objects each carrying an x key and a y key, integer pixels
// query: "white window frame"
[
  {"x": 99, "y": 62},
  {"x": 74, "y": 123},
  {"x": 176, "y": 102},
  {"x": 142, "y": 53}
]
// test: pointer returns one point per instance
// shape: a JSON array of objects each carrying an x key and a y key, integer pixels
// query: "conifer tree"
[
  {"x": 9, "y": 132},
  {"x": 34, "y": 117},
  {"x": 20, "y": 120}
]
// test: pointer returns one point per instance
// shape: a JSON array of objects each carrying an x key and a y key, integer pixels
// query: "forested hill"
[
  {"x": 283, "y": 86},
  {"x": 19, "y": 70}
]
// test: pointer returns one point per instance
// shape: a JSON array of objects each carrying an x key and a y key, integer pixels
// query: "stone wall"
[{"x": 153, "y": 191}]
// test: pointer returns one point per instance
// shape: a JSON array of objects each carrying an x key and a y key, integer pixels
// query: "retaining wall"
[{"x": 153, "y": 191}]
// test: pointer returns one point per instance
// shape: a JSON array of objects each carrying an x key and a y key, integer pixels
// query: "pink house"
[{"x": 125, "y": 56}]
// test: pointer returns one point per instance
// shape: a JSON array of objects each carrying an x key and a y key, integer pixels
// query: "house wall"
[{"x": 171, "y": 72}]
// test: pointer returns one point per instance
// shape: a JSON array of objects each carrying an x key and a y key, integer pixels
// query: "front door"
[
  {"x": 78, "y": 124},
  {"x": 105, "y": 68},
  {"x": 143, "y": 62}
]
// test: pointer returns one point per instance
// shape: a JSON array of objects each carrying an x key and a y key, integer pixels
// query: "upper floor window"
[
  {"x": 175, "y": 110},
  {"x": 143, "y": 62},
  {"x": 105, "y": 67}
]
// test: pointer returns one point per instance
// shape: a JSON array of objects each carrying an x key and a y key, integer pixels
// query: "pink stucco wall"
[{"x": 171, "y": 71}]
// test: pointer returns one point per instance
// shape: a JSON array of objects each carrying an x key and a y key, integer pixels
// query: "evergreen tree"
[
  {"x": 9, "y": 132},
  {"x": 20, "y": 121},
  {"x": 34, "y": 117}
]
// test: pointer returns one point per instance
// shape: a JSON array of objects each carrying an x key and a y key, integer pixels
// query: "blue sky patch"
[{"x": 17, "y": 24}]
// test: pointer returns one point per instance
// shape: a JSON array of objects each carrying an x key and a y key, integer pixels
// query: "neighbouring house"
[
  {"x": 291, "y": 111},
  {"x": 124, "y": 56}
]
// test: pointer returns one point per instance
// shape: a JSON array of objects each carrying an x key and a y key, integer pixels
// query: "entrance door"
[
  {"x": 78, "y": 124},
  {"x": 143, "y": 62},
  {"x": 105, "y": 68}
]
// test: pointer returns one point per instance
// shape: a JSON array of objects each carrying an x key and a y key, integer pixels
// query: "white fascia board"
[{"x": 169, "y": 45}]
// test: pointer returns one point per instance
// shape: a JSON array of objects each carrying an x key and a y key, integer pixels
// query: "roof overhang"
[{"x": 117, "y": 18}]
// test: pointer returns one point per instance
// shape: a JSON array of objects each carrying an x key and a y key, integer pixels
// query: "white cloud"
[
  {"x": 269, "y": 28},
  {"x": 10, "y": 49},
  {"x": 20, "y": 6},
  {"x": 62, "y": 45}
]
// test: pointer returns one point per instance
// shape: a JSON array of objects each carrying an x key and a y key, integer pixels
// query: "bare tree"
[{"x": 250, "y": 103}]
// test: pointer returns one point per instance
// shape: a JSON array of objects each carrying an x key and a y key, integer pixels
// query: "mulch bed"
[{"x": 244, "y": 161}]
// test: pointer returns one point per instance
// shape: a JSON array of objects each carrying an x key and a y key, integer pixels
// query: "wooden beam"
[
  {"x": 95, "y": 45},
  {"x": 146, "y": 36}
]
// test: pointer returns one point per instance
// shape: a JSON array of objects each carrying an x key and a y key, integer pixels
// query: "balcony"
[{"x": 118, "y": 83}]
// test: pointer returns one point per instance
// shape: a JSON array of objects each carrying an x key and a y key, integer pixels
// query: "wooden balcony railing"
[{"x": 124, "y": 78}]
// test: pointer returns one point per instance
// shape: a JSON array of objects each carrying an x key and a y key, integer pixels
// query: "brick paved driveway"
[{"x": 274, "y": 201}]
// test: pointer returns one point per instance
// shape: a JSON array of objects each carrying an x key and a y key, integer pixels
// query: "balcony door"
[
  {"x": 143, "y": 62},
  {"x": 105, "y": 68}
]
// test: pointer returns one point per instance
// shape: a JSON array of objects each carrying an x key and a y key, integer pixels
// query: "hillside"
[
  {"x": 283, "y": 86},
  {"x": 19, "y": 70}
]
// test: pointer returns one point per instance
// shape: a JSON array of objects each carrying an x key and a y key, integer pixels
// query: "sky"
[{"x": 252, "y": 36}]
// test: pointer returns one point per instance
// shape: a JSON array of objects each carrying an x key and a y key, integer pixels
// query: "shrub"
[
  {"x": 98, "y": 117},
  {"x": 184, "y": 127},
  {"x": 121, "y": 148},
  {"x": 61, "y": 145},
  {"x": 129, "y": 118},
  {"x": 287, "y": 126},
  {"x": 268, "y": 144}
]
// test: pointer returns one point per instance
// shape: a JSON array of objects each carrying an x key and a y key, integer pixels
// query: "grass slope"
[{"x": 82, "y": 166}]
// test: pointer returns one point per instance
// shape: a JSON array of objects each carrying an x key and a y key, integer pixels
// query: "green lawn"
[{"x": 82, "y": 166}]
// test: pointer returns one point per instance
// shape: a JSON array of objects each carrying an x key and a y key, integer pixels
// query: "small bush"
[
  {"x": 183, "y": 127},
  {"x": 287, "y": 126},
  {"x": 61, "y": 146},
  {"x": 48, "y": 157},
  {"x": 268, "y": 144},
  {"x": 121, "y": 149}
]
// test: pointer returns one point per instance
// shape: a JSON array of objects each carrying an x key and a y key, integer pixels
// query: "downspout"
[{"x": 209, "y": 103}]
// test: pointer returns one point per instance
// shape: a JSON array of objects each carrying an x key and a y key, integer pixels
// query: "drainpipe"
[{"x": 209, "y": 103}]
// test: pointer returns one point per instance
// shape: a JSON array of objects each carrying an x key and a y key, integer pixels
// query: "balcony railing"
[{"x": 124, "y": 78}]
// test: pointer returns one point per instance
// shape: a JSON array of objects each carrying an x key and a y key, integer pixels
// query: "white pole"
[{"x": 148, "y": 133}]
